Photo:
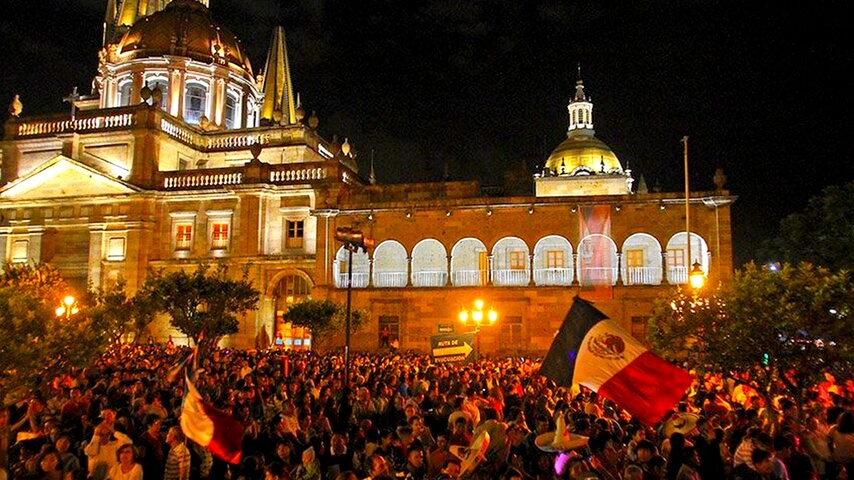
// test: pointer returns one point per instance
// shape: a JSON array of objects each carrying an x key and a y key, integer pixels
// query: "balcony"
[
  {"x": 511, "y": 277},
  {"x": 553, "y": 276},
  {"x": 438, "y": 278},
  {"x": 389, "y": 279},
  {"x": 642, "y": 276},
  {"x": 468, "y": 278}
]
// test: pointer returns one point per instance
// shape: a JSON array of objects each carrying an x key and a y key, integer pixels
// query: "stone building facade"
[{"x": 182, "y": 154}]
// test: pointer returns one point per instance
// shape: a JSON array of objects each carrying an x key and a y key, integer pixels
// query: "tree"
[
  {"x": 324, "y": 318},
  {"x": 822, "y": 234},
  {"x": 784, "y": 327},
  {"x": 120, "y": 314},
  {"x": 36, "y": 341},
  {"x": 203, "y": 304}
]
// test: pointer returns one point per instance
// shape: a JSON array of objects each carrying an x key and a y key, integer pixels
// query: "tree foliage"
[
  {"x": 324, "y": 318},
  {"x": 778, "y": 330},
  {"x": 822, "y": 234},
  {"x": 38, "y": 343},
  {"x": 203, "y": 304},
  {"x": 120, "y": 314}
]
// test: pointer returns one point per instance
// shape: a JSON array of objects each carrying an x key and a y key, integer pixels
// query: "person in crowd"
[
  {"x": 760, "y": 467},
  {"x": 178, "y": 459},
  {"x": 152, "y": 448},
  {"x": 127, "y": 467},
  {"x": 291, "y": 401},
  {"x": 50, "y": 465},
  {"x": 101, "y": 449}
]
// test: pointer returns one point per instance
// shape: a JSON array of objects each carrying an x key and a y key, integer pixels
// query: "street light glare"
[{"x": 697, "y": 277}]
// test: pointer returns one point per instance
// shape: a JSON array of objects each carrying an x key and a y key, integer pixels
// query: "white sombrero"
[
  {"x": 561, "y": 440},
  {"x": 471, "y": 456},
  {"x": 680, "y": 422}
]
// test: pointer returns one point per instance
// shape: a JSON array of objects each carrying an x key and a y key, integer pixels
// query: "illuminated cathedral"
[{"x": 184, "y": 153}]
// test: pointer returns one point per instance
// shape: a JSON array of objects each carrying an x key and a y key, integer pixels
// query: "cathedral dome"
[
  {"x": 184, "y": 28},
  {"x": 582, "y": 152}
]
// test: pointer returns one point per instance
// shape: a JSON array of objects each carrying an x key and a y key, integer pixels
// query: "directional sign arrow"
[{"x": 464, "y": 349}]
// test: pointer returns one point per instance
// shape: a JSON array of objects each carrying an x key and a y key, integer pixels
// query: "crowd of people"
[{"x": 403, "y": 416}]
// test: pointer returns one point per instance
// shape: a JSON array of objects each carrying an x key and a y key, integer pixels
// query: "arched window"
[
  {"x": 195, "y": 101},
  {"x": 163, "y": 85},
  {"x": 232, "y": 111},
  {"x": 125, "y": 89}
]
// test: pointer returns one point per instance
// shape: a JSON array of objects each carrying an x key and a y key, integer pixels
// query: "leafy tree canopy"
[
  {"x": 37, "y": 342},
  {"x": 778, "y": 330},
  {"x": 203, "y": 304},
  {"x": 324, "y": 318},
  {"x": 822, "y": 234}
]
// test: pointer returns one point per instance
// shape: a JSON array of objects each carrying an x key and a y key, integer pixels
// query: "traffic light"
[{"x": 353, "y": 240}]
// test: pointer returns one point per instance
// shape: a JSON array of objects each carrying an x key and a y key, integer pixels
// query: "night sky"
[{"x": 762, "y": 90}]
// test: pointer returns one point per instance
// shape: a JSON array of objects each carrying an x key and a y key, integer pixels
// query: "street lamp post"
[
  {"x": 67, "y": 308},
  {"x": 477, "y": 316},
  {"x": 353, "y": 241},
  {"x": 693, "y": 271}
]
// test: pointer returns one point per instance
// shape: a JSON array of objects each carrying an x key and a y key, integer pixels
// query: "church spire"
[
  {"x": 278, "y": 104},
  {"x": 580, "y": 110}
]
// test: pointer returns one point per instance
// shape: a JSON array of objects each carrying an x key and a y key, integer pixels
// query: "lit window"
[
  {"x": 554, "y": 259},
  {"x": 19, "y": 251},
  {"x": 517, "y": 260},
  {"x": 124, "y": 94},
  {"x": 676, "y": 258},
  {"x": 231, "y": 112},
  {"x": 183, "y": 236},
  {"x": 634, "y": 258},
  {"x": 219, "y": 236},
  {"x": 195, "y": 99},
  {"x": 295, "y": 232},
  {"x": 116, "y": 249}
]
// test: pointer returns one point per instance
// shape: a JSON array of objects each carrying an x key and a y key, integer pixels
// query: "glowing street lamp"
[
  {"x": 67, "y": 308},
  {"x": 697, "y": 278},
  {"x": 478, "y": 317}
]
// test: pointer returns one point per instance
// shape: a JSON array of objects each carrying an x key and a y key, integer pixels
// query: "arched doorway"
[{"x": 291, "y": 289}]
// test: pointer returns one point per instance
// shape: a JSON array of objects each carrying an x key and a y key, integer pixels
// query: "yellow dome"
[
  {"x": 583, "y": 150},
  {"x": 184, "y": 28}
]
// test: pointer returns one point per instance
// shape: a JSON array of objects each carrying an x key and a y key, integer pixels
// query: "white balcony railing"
[
  {"x": 553, "y": 276},
  {"x": 642, "y": 276},
  {"x": 511, "y": 277},
  {"x": 389, "y": 279},
  {"x": 360, "y": 280},
  {"x": 677, "y": 275},
  {"x": 468, "y": 278},
  {"x": 598, "y": 275},
  {"x": 430, "y": 279},
  {"x": 80, "y": 124}
]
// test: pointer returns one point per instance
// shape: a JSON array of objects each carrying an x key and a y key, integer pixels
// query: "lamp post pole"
[
  {"x": 687, "y": 212},
  {"x": 347, "y": 320},
  {"x": 353, "y": 240}
]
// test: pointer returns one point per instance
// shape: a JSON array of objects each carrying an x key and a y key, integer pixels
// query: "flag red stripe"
[
  {"x": 647, "y": 388},
  {"x": 227, "y": 439}
]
